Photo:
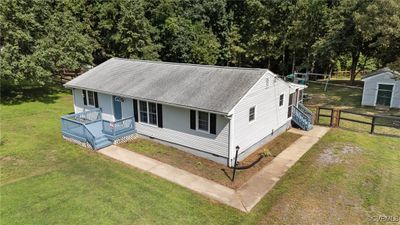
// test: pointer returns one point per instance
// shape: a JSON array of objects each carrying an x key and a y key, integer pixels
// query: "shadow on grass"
[
  {"x": 356, "y": 83},
  {"x": 46, "y": 94}
]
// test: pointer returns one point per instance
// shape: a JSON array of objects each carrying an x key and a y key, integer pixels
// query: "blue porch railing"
[
  {"x": 85, "y": 117},
  {"x": 77, "y": 130},
  {"x": 306, "y": 111},
  {"x": 118, "y": 127},
  {"x": 89, "y": 127}
]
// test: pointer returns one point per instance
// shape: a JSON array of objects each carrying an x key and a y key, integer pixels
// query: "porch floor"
[{"x": 96, "y": 128}]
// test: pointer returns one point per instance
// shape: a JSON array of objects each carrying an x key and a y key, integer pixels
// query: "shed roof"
[
  {"x": 381, "y": 71},
  {"x": 212, "y": 88}
]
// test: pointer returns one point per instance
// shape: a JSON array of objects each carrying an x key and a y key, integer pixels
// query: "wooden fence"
[
  {"x": 336, "y": 118},
  {"x": 66, "y": 75}
]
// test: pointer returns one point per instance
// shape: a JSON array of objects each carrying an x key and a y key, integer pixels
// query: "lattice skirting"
[
  {"x": 81, "y": 143},
  {"x": 125, "y": 139}
]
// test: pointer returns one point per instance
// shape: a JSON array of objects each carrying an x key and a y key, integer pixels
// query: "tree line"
[{"x": 41, "y": 38}]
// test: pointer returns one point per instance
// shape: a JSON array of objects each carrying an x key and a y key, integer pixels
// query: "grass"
[
  {"x": 363, "y": 184},
  {"x": 341, "y": 97},
  {"x": 207, "y": 168},
  {"x": 349, "y": 99},
  {"x": 46, "y": 180}
]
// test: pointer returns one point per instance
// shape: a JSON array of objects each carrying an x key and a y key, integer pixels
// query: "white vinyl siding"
[
  {"x": 270, "y": 116},
  {"x": 176, "y": 125},
  {"x": 176, "y": 129},
  {"x": 105, "y": 104},
  {"x": 370, "y": 90}
]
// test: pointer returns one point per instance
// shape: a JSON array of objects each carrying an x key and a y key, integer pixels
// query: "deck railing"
[
  {"x": 86, "y": 116},
  {"x": 305, "y": 110},
  {"x": 77, "y": 126},
  {"x": 77, "y": 130},
  {"x": 301, "y": 118},
  {"x": 119, "y": 126}
]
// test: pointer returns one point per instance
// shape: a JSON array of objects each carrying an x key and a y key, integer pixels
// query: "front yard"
[
  {"x": 207, "y": 168},
  {"x": 344, "y": 179}
]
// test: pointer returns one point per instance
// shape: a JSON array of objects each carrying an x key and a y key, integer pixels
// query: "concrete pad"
[
  {"x": 317, "y": 131},
  {"x": 129, "y": 157},
  {"x": 176, "y": 175}
]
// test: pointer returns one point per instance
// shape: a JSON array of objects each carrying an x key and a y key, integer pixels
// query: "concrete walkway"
[{"x": 247, "y": 196}]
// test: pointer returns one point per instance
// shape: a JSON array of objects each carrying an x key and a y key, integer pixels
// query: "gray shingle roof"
[
  {"x": 380, "y": 71},
  {"x": 212, "y": 88}
]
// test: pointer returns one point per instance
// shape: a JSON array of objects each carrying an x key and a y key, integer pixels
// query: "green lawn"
[
  {"x": 341, "y": 97},
  {"x": 46, "y": 180},
  {"x": 349, "y": 99}
]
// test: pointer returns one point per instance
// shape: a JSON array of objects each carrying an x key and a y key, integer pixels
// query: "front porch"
[{"x": 89, "y": 129}]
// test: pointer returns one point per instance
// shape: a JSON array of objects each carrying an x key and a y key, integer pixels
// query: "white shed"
[{"x": 382, "y": 88}]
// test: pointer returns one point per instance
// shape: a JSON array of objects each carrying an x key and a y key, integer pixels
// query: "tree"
[
  {"x": 39, "y": 40},
  {"x": 363, "y": 27},
  {"x": 65, "y": 46},
  {"x": 184, "y": 41},
  {"x": 308, "y": 25},
  {"x": 395, "y": 65},
  {"x": 124, "y": 31},
  {"x": 19, "y": 30},
  {"x": 261, "y": 31}
]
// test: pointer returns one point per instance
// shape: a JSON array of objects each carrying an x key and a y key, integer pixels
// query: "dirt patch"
[
  {"x": 334, "y": 155},
  {"x": 12, "y": 160},
  {"x": 329, "y": 207}
]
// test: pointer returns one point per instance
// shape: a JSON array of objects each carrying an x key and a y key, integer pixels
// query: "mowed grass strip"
[{"x": 46, "y": 180}]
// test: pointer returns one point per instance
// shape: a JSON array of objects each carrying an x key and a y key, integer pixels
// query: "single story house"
[
  {"x": 382, "y": 88},
  {"x": 209, "y": 111}
]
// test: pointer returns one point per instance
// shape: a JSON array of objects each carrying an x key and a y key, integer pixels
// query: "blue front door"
[{"x": 117, "y": 107}]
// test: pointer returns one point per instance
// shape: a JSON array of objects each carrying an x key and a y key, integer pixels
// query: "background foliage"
[{"x": 39, "y": 39}]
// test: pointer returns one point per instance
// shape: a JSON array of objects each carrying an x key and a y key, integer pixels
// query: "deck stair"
[
  {"x": 302, "y": 116},
  {"x": 101, "y": 142}
]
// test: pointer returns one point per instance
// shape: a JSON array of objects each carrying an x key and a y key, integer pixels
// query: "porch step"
[
  {"x": 100, "y": 139},
  {"x": 102, "y": 142}
]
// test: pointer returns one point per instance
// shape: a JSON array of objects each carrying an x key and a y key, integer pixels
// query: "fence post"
[
  {"x": 332, "y": 112},
  {"x": 317, "y": 115},
  {"x": 373, "y": 125},
  {"x": 338, "y": 117}
]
